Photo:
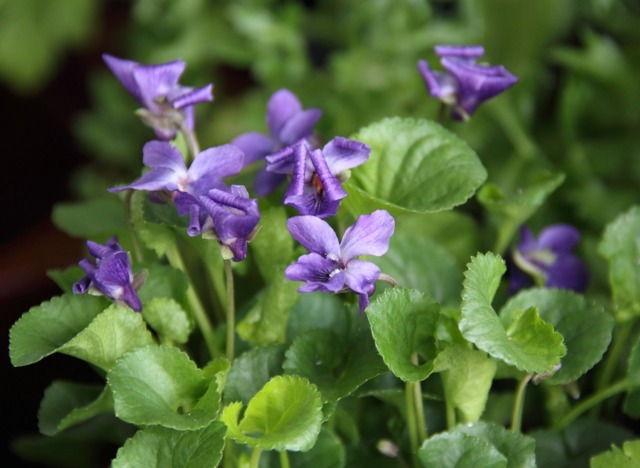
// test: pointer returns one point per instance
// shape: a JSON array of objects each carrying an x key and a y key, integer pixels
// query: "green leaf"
[
  {"x": 266, "y": 322},
  {"x": 328, "y": 452},
  {"x": 513, "y": 209},
  {"x": 530, "y": 344},
  {"x": 169, "y": 448},
  {"x": 161, "y": 385},
  {"x": 633, "y": 365},
  {"x": 467, "y": 378},
  {"x": 434, "y": 271},
  {"x": 168, "y": 318},
  {"x": 459, "y": 450},
  {"x": 111, "y": 334},
  {"x": 164, "y": 281},
  {"x": 155, "y": 236},
  {"x": 251, "y": 370},
  {"x": 66, "y": 404},
  {"x": 285, "y": 415},
  {"x": 620, "y": 245},
  {"x": 273, "y": 245},
  {"x": 403, "y": 323},
  {"x": 65, "y": 278},
  {"x": 44, "y": 328},
  {"x": 91, "y": 219},
  {"x": 627, "y": 457},
  {"x": 336, "y": 364},
  {"x": 585, "y": 326},
  {"x": 317, "y": 312},
  {"x": 415, "y": 165}
]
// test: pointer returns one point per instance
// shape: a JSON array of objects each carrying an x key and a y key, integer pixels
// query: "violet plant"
[{"x": 414, "y": 343}]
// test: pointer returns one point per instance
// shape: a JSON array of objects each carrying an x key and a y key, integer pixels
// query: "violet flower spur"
[
  {"x": 548, "y": 260},
  {"x": 288, "y": 123},
  {"x": 332, "y": 267},
  {"x": 234, "y": 217},
  {"x": 111, "y": 275},
  {"x": 315, "y": 187},
  {"x": 167, "y": 106},
  {"x": 465, "y": 84}
]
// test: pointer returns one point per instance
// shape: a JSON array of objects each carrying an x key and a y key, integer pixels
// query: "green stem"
[
  {"x": 227, "y": 460},
  {"x": 231, "y": 310},
  {"x": 518, "y": 404},
  {"x": 175, "y": 260},
  {"x": 411, "y": 421},
  {"x": 134, "y": 237},
  {"x": 588, "y": 403},
  {"x": 192, "y": 141},
  {"x": 451, "y": 412},
  {"x": 419, "y": 406},
  {"x": 255, "y": 458},
  {"x": 611, "y": 362},
  {"x": 284, "y": 459}
]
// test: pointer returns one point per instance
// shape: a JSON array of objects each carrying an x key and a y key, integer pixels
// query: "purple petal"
[
  {"x": 315, "y": 235},
  {"x": 331, "y": 187},
  {"x": 361, "y": 276},
  {"x": 88, "y": 267},
  {"x": 527, "y": 240},
  {"x": 164, "y": 155},
  {"x": 123, "y": 69},
  {"x": 368, "y": 236},
  {"x": 155, "y": 179},
  {"x": 282, "y": 105},
  {"x": 284, "y": 160},
  {"x": 255, "y": 146},
  {"x": 300, "y": 169},
  {"x": 299, "y": 126},
  {"x": 465, "y": 52},
  {"x": 130, "y": 297},
  {"x": 266, "y": 182},
  {"x": 100, "y": 251},
  {"x": 342, "y": 154},
  {"x": 440, "y": 85},
  {"x": 559, "y": 238},
  {"x": 319, "y": 273},
  {"x": 182, "y": 97},
  {"x": 313, "y": 204},
  {"x": 81, "y": 286},
  {"x": 157, "y": 81},
  {"x": 166, "y": 134},
  {"x": 212, "y": 165},
  {"x": 568, "y": 272}
]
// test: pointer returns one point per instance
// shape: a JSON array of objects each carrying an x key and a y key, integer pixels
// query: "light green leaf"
[
  {"x": 529, "y": 343},
  {"x": 585, "y": 326},
  {"x": 620, "y": 245},
  {"x": 627, "y": 457},
  {"x": 169, "y": 448},
  {"x": 44, "y": 328},
  {"x": 155, "y": 236},
  {"x": 66, "y": 277},
  {"x": 317, "y": 312},
  {"x": 251, "y": 370},
  {"x": 66, "y": 404},
  {"x": 285, "y": 415},
  {"x": 403, "y": 323},
  {"x": 328, "y": 452},
  {"x": 273, "y": 245},
  {"x": 467, "y": 379},
  {"x": 266, "y": 322},
  {"x": 91, "y": 219},
  {"x": 161, "y": 385},
  {"x": 111, "y": 334},
  {"x": 168, "y": 318},
  {"x": 415, "y": 165},
  {"x": 164, "y": 281},
  {"x": 459, "y": 450}
]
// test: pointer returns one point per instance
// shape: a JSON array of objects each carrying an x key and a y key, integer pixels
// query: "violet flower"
[
  {"x": 169, "y": 173},
  {"x": 288, "y": 123},
  {"x": 110, "y": 275},
  {"x": 548, "y": 260},
  {"x": 465, "y": 84},
  {"x": 167, "y": 106},
  {"x": 332, "y": 267},
  {"x": 316, "y": 187},
  {"x": 234, "y": 217}
]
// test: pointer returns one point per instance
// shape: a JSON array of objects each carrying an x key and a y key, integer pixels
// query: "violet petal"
[
  {"x": 299, "y": 126},
  {"x": 254, "y": 145},
  {"x": 342, "y": 154},
  {"x": 282, "y": 105},
  {"x": 368, "y": 236},
  {"x": 559, "y": 238},
  {"x": 315, "y": 235}
]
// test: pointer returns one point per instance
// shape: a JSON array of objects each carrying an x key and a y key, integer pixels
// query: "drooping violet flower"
[
  {"x": 316, "y": 187},
  {"x": 548, "y": 260},
  {"x": 166, "y": 105},
  {"x": 332, "y": 267},
  {"x": 234, "y": 217},
  {"x": 110, "y": 275},
  {"x": 169, "y": 173},
  {"x": 288, "y": 123},
  {"x": 465, "y": 84}
]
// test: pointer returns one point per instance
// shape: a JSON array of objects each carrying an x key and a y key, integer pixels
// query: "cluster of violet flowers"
[{"x": 290, "y": 151}]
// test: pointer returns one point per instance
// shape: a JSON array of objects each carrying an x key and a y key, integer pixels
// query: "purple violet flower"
[
  {"x": 548, "y": 260},
  {"x": 316, "y": 187},
  {"x": 166, "y": 104},
  {"x": 234, "y": 217},
  {"x": 111, "y": 275},
  {"x": 465, "y": 84},
  {"x": 288, "y": 123},
  {"x": 332, "y": 267}
]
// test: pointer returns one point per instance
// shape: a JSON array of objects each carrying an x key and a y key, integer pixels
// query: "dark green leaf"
[
  {"x": 273, "y": 245},
  {"x": 251, "y": 370},
  {"x": 459, "y": 450},
  {"x": 168, "y": 318},
  {"x": 96, "y": 218},
  {"x": 328, "y": 452},
  {"x": 155, "y": 236}
]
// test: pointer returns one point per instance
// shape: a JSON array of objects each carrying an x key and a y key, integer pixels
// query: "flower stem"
[
  {"x": 389, "y": 279},
  {"x": 284, "y": 459},
  {"x": 192, "y": 141},
  {"x": 518, "y": 404},
  {"x": 411, "y": 420},
  {"x": 255, "y": 458},
  {"x": 231, "y": 310},
  {"x": 137, "y": 249},
  {"x": 451, "y": 413},
  {"x": 175, "y": 260},
  {"x": 419, "y": 406},
  {"x": 588, "y": 403}
]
